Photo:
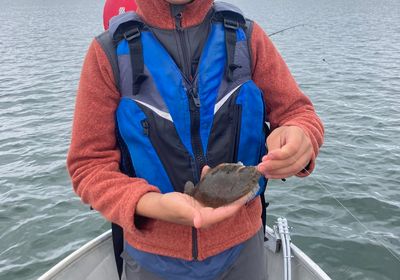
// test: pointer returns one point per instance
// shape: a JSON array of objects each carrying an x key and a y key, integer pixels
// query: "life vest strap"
[
  {"x": 129, "y": 28},
  {"x": 137, "y": 61},
  {"x": 118, "y": 245},
  {"x": 231, "y": 26},
  {"x": 233, "y": 19}
]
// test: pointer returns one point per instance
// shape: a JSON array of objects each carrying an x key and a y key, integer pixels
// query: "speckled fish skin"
[{"x": 224, "y": 184}]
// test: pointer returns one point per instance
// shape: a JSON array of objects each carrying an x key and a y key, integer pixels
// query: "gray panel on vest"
[
  {"x": 240, "y": 75},
  {"x": 226, "y": 7},
  {"x": 249, "y": 32},
  {"x": 106, "y": 42},
  {"x": 125, "y": 68},
  {"x": 195, "y": 37},
  {"x": 242, "y": 58},
  {"x": 148, "y": 92}
]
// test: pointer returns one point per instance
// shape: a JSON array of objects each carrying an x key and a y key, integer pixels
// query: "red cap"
[{"x": 115, "y": 7}]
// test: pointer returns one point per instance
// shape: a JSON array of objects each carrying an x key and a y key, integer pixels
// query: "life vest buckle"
[
  {"x": 231, "y": 24},
  {"x": 132, "y": 34}
]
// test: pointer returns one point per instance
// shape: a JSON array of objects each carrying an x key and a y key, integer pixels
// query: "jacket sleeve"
[
  {"x": 286, "y": 103},
  {"x": 93, "y": 157}
]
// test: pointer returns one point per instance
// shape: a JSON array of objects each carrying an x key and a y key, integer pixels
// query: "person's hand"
[
  {"x": 289, "y": 152},
  {"x": 183, "y": 209}
]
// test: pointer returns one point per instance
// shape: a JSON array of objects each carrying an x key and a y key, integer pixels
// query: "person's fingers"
[
  {"x": 197, "y": 220},
  {"x": 179, "y": 208},
  {"x": 288, "y": 160},
  {"x": 205, "y": 170},
  {"x": 212, "y": 216},
  {"x": 288, "y": 171},
  {"x": 274, "y": 141},
  {"x": 285, "y": 142},
  {"x": 221, "y": 213},
  {"x": 207, "y": 216},
  {"x": 286, "y": 151},
  {"x": 292, "y": 169},
  {"x": 243, "y": 200},
  {"x": 271, "y": 165}
]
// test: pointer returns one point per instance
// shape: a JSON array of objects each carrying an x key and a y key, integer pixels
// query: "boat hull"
[{"x": 95, "y": 261}]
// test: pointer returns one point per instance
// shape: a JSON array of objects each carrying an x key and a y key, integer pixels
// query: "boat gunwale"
[
  {"x": 74, "y": 256},
  {"x": 87, "y": 248},
  {"x": 304, "y": 260},
  {"x": 307, "y": 262}
]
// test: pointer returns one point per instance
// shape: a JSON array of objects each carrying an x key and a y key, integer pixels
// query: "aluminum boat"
[{"x": 95, "y": 260}]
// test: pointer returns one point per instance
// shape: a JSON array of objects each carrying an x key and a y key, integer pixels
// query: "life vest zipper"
[
  {"x": 194, "y": 105},
  {"x": 199, "y": 160},
  {"x": 194, "y": 108},
  {"x": 178, "y": 24},
  {"x": 195, "y": 96}
]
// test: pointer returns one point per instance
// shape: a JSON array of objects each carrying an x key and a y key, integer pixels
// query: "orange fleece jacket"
[{"x": 93, "y": 158}]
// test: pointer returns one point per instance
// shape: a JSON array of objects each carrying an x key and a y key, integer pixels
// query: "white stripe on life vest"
[
  {"x": 162, "y": 114},
  {"x": 224, "y": 99}
]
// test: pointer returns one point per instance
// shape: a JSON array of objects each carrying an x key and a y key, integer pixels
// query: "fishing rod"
[{"x": 291, "y": 27}]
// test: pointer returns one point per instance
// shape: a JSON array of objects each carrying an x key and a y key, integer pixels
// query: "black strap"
[
  {"x": 264, "y": 206},
  {"x": 232, "y": 19},
  {"x": 137, "y": 61},
  {"x": 231, "y": 26},
  {"x": 118, "y": 243},
  {"x": 262, "y": 195},
  {"x": 131, "y": 32}
]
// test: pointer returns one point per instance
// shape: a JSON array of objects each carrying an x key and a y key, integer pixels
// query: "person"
[
  {"x": 194, "y": 86},
  {"x": 114, "y": 8}
]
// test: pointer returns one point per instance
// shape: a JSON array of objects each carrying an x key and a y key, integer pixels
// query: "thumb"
[
  {"x": 197, "y": 220},
  {"x": 274, "y": 141},
  {"x": 205, "y": 170}
]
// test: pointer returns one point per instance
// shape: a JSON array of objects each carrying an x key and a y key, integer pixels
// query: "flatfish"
[{"x": 224, "y": 184}]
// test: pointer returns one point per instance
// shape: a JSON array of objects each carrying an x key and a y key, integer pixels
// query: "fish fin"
[
  {"x": 253, "y": 193},
  {"x": 189, "y": 188}
]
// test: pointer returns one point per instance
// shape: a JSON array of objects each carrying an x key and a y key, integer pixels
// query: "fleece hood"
[{"x": 157, "y": 13}]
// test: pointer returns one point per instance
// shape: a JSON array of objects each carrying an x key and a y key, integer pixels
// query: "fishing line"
[
  {"x": 324, "y": 187},
  {"x": 349, "y": 212},
  {"x": 354, "y": 217}
]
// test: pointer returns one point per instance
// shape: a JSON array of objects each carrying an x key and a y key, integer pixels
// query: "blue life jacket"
[{"x": 168, "y": 125}]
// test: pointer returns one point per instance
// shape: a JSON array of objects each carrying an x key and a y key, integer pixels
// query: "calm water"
[{"x": 346, "y": 57}]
